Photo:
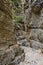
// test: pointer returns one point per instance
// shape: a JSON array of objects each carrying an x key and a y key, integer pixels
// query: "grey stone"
[{"x": 36, "y": 44}]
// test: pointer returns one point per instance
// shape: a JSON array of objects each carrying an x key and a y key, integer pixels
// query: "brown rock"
[{"x": 9, "y": 48}]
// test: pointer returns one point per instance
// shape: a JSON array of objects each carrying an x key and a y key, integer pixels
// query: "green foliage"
[
  {"x": 16, "y": 2},
  {"x": 16, "y": 11},
  {"x": 18, "y": 19}
]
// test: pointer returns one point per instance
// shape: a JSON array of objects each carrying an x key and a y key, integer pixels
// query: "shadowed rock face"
[
  {"x": 9, "y": 49},
  {"x": 37, "y": 6},
  {"x": 6, "y": 25}
]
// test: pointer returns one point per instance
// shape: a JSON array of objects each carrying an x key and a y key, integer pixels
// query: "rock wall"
[
  {"x": 37, "y": 20},
  {"x": 33, "y": 21},
  {"x": 10, "y": 52}
]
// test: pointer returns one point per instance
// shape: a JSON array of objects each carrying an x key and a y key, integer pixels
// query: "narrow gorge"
[{"x": 21, "y": 32}]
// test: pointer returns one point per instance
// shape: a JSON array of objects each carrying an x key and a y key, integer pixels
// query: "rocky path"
[{"x": 32, "y": 56}]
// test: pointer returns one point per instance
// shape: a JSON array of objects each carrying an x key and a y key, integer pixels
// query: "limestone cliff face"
[
  {"x": 33, "y": 11},
  {"x": 37, "y": 21},
  {"x": 9, "y": 49}
]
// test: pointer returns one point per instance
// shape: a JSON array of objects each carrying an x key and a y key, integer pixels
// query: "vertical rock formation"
[
  {"x": 37, "y": 17},
  {"x": 28, "y": 15},
  {"x": 33, "y": 10},
  {"x": 9, "y": 49},
  {"x": 36, "y": 33}
]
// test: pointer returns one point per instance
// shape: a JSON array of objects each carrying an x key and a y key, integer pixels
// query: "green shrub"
[
  {"x": 16, "y": 2},
  {"x": 18, "y": 19}
]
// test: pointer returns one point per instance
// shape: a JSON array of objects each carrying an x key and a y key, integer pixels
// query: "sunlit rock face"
[
  {"x": 37, "y": 24},
  {"x": 9, "y": 49},
  {"x": 34, "y": 18}
]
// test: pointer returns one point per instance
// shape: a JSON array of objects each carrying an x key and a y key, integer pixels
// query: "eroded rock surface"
[{"x": 36, "y": 21}]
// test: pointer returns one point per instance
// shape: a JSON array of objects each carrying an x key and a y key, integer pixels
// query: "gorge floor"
[{"x": 32, "y": 56}]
